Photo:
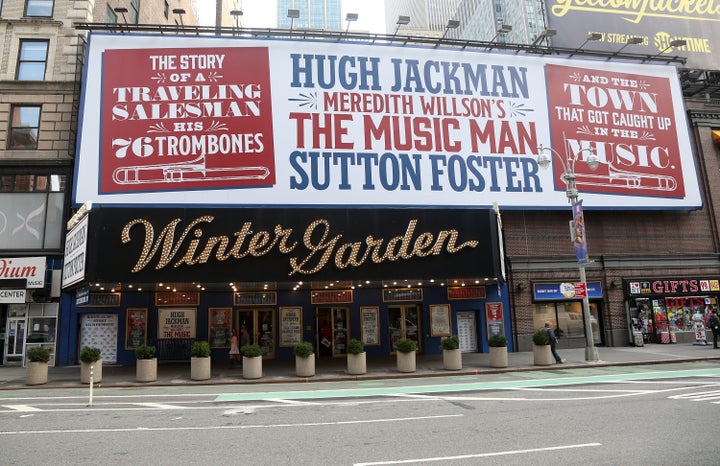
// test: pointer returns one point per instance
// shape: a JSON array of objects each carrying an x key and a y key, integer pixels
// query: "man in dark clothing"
[
  {"x": 553, "y": 342},
  {"x": 713, "y": 322}
]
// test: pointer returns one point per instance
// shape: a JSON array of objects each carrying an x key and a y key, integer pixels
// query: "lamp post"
[{"x": 568, "y": 164}]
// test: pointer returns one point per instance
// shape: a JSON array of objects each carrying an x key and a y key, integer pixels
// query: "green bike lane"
[{"x": 470, "y": 383}]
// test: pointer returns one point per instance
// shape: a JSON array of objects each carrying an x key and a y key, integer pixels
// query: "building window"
[
  {"x": 24, "y": 127},
  {"x": 31, "y": 60},
  {"x": 39, "y": 8},
  {"x": 135, "y": 11},
  {"x": 110, "y": 15},
  {"x": 34, "y": 206}
]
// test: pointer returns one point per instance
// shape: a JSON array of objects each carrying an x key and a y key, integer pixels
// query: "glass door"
[
  {"x": 333, "y": 332},
  {"x": 404, "y": 322},
  {"x": 260, "y": 324},
  {"x": 15, "y": 339}
]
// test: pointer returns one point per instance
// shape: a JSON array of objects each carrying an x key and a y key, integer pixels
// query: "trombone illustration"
[
  {"x": 616, "y": 177},
  {"x": 185, "y": 172}
]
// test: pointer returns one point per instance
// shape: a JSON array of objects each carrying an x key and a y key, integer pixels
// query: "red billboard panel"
[
  {"x": 186, "y": 119},
  {"x": 628, "y": 120}
]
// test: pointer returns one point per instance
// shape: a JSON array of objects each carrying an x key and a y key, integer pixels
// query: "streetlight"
[
  {"x": 568, "y": 165},
  {"x": 293, "y": 14},
  {"x": 236, "y": 14},
  {"x": 451, "y": 24},
  {"x": 350, "y": 17},
  {"x": 402, "y": 21},
  {"x": 180, "y": 12}
]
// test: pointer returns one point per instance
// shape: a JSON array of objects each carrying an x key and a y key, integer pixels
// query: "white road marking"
[
  {"x": 206, "y": 428},
  {"x": 160, "y": 406},
  {"x": 21, "y": 408},
  {"x": 482, "y": 455}
]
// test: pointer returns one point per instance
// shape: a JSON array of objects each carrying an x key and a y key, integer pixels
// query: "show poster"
[
  {"x": 186, "y": 119},
  {"x": 176, "y": 323},
  {"x": 219, "y": 121},
  {"x": 627, "y": 120}
]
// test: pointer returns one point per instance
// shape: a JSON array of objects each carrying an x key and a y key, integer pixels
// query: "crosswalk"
[{"x": 711, "y": 396}]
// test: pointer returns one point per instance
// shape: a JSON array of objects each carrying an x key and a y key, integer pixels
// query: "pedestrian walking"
[
  {"x": 714, "y": 323},
  {"x": 553, "y": 342},
  {"x": 234, "y": 348}
]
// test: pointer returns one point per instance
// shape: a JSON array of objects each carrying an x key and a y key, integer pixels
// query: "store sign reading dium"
[{"x": 219, "y": 121}]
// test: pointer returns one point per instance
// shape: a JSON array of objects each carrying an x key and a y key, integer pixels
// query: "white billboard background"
[{"x": 505, "y": 173}]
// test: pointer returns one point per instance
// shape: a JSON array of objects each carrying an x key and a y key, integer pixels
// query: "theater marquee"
[{"x": 223, "y": 245}]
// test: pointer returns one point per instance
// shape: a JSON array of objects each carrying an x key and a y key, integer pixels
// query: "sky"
[{"x": 263, "y": 13}]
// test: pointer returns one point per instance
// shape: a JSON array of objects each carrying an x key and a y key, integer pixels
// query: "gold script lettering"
[{"x": 637, "y": 10}]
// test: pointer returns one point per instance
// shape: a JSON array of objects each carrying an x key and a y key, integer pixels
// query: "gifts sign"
[{"x": 188, "y": 119}]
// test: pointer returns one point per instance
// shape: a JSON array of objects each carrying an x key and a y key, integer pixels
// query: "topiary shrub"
[
  {"x": 200, "y": 349},
  {"x": 90, "y": 354},
  {"x": 541, "y": 338},
  {"x": 450, "y": 343},
  {"x": 251, "y": 351},
  {"x": 497, "y": 340},
  {"x": 38, "y": 354},
  {"x": 355, "y": 346},
  {"x": 303, "y": 350},
  {"x": 145, "y": 352},
  {"x": 406, "y": 345}
]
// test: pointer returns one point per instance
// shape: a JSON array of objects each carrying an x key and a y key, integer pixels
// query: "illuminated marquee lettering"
[{"x": 320, "y": 247}]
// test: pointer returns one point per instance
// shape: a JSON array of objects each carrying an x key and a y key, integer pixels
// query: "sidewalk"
[{"x": 178, "y": 373}]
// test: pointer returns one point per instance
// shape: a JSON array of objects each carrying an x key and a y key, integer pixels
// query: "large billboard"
[
  {"x": 656, "y": 23},
  {"x": 239, "y": 122}
]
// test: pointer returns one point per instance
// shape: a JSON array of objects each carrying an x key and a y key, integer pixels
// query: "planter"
[
  {"x": 146, "y": 370},
  {"x": 356, "y": 363},
  {"x": 200, "y": 368},
  {"x": 85, "y": 371},
  {"x": 252, "y": 367},
  {"x": 452, "y": 360},
  {"x": 406, "y": 361},
  {"x": 498, "y": 356},
  {"x": 36, "y": 373},
  {"x": 305, "y": 367},
  {"x": 542, "y": 355}
]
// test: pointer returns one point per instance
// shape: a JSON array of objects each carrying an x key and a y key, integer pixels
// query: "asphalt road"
[{"x": 623, "y": 415}]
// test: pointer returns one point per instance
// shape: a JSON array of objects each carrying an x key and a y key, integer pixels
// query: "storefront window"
[
  {"x": 658, "y": 318},
  {"x": 567, "y": 319}
]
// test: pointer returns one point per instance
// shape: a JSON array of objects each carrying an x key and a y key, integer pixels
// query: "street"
[{"x": 661, "y": 414}]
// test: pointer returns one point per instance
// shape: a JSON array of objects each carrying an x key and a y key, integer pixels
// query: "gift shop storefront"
[{"x": 671, "y": 309}]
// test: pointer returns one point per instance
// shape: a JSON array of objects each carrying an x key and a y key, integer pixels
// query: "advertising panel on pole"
[
  {"x": 656, "y": 23},
  {"x": 170, "y": 120}
]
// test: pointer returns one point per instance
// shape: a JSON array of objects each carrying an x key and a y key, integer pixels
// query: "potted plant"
[
  {"x": 146, "y": 368},
  {"x": 36, "y": 370},
  {"x": 90, "y": 360},
  {"x": 200, "y": 360},
  {"x": 304, "y": 360},
  {"x": 252, "y": 361},
  {"x": 406, "y": 355},
  {"x": 356, "y": 361},
  {"x": 498, "y": 350},
  {"x": 452, "y": 356},
  {"x": 541, "y": 349}
]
